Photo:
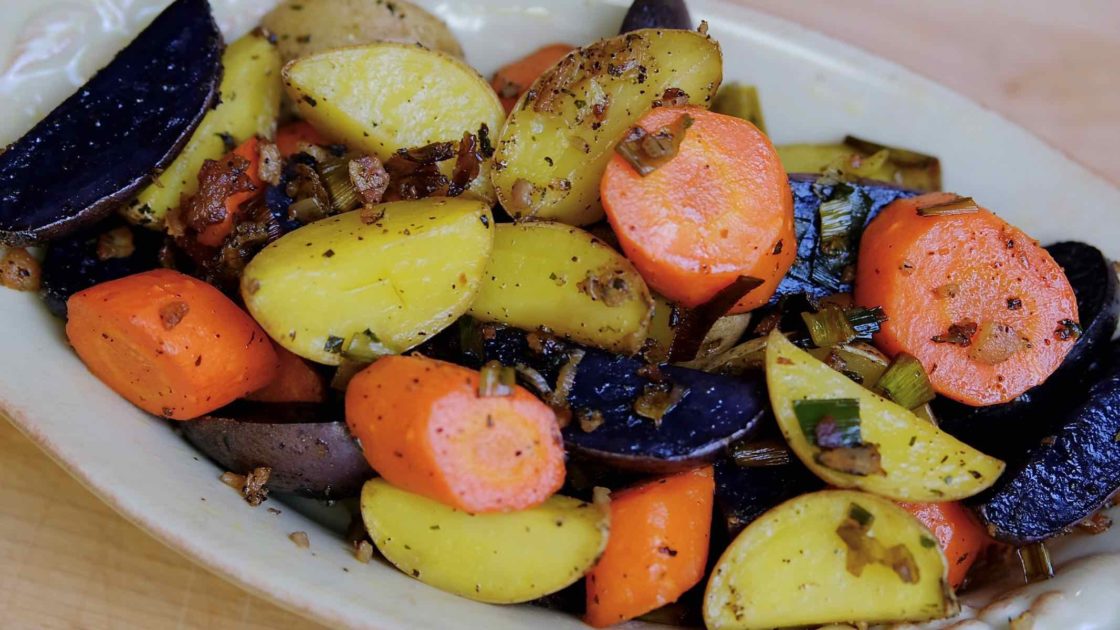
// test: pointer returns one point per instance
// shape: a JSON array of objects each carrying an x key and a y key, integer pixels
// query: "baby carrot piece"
[
  {"x": 718, "y": 209},
  {"x": 511, "y": 81},
  {"x": 215, "y": 233},
  {"x": 959, "y": 533},
  {"x": 172, "y": 345},
  {"x": 295, "y": 381},
  {"x": 291, "y": 135},
  {"x": 427, "y": 427},
  {"x": 658, "y": 547},
  {"x": 985, "y": 309}
]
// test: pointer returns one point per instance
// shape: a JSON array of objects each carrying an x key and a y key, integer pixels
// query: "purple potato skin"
[{"x": 315, "y": 459}]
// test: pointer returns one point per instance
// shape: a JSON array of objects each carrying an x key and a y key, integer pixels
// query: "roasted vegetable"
[
  {"x": 656, "y": 14},
  {"x": 107, "y": 140},
  {"x": 514, "y": 78},
  {"x": 827, "y": 265},
  {"x": 1069, "y": 476},
  {"x": 555, "y": 145},
  {"x": 743, "y": 493},
  {"x": 497, "y": 558},
  {"x": 853, "y": 438},
  {"x": 307, "y": 446},
  {"x": 741, "y": 101},
  {"x": 306, "y": 27},
  {"x": 829, "y": 557},
  {"x": 421, "y": 97},
  {"x": 865, "y": 159},
  {"x": 565, "y": 279},
  {"x": 248, "y": 104},
  {"x": 106, "y": 251},
  {"x": 395, "y": 273}
]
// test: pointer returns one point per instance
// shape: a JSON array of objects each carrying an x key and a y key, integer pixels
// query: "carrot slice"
[
  {"x": 215, "y": 233},
  {"x": 985, "y": 309},
  {"x": 425, "y": 428},
  {"x": 658, "y": 547},
  {"x": 957, "y": 530},
  {"x": 169, "y": 343},
  {"x": 511, "y": 81},
  {"x": 295, "y": 381},
  {"x": 291, "y": 135},
  {"x": 721, "y": 208}
]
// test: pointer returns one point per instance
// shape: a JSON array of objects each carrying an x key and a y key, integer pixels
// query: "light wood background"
[{"x": 67, "y": 561}]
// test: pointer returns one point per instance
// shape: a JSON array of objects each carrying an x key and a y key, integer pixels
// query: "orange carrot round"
[
  {"x": 290, "y": 136},
  {"x": 511, "y": 81},
  {"x": 169, "y": 343},
  {"x": 985, "y": 309},
  {"x": 425, "y": 428},
  {"x": 215, "y": 233},
  {"x": 957, "y": 530},
  {"x": 295, "y": 381},
  {"x": 658, "y": 547},
  {"x": 719, "y": 209}
]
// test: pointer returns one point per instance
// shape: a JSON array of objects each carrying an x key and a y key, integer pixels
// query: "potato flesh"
[
  {"x": 384, "y": 97},
  {"x": 922, "y": 463},
  {"x": 561, "y": 149},
  {"x": 500, "y": 558},
  {"x": 789, "y": 568},
  {"x": 250, "y": 102},
  {"x": 404, "y": 278},
  {"x": 550, "y": 274}
]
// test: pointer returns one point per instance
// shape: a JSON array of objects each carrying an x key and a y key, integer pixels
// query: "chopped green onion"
[
  {"x": 365, "y": 347},
  {"x": 865, "y": 321},
  {"x": 830, "y": 423},
  {"x": 740, "y": 101},
  {"x": 307, "y": 210},
  {"x": 836, "y": 218},
  {"x": 927, "y": 542},
  {"x": 906, "y": 382},
  {"x": 335, "y": 174},
  {"x": 760, "y": 454},
  {"x": 959, "y": 205},
  {"x": 496, "y": 380},
  {"x": 657, "y": 400},
  {"x": 333, "y": 344},
  {"x": 859, "y": 514},
  {"x": 829, "y": 327},
  {"x": 1035, "y": 559}
]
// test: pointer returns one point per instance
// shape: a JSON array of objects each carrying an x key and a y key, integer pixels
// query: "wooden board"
[{"x": 69, "y": 562}]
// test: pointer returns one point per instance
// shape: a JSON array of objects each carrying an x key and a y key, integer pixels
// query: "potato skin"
[
  {"x": 500, "y": 558},
  {"x": 403, "y": 277},
  {"x": 563, "y": 278},
  {"x": 305, "y": 27},
  {"x": 250, "y": 101},
  {"x": 556, "y": 143}
]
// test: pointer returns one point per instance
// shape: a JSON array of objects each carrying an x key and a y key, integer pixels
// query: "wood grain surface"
[{"x": 67, "y": 561}]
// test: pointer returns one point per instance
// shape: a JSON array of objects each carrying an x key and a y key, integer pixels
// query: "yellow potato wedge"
[
  {"x": 919, "y": 461},
  {"x": 829, "y": 557},
  {"x": 557, "y": 141},
  {"x": 563, "y": 278},
  {"x": 500, "y": 558},
  {"x": 391, "y": 281},
  {"x": 380, "y": 98},
  {"x": 250, "y": 101}
]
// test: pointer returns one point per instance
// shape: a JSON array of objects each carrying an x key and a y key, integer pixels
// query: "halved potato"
[
  {"x": 383, "y": 97},
  {"x": 250, "y": 101},
  {"x": 561, "y": 277},
  {"x": 557, "y": 141},
  {"x": 828, "y": 557},
  {"x": 919, "y": 461},
  {"x": 390, "y": 282},
  {"x": 500, "y": 558}
]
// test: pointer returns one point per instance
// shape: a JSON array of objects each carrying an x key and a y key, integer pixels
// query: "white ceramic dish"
[{"x": 813, "y": 89}]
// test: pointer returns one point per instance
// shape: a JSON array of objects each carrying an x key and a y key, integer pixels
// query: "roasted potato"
[
  {"x": 829, "y": 557},
  {"x": 917, "y": 461},
  {"x": 557, "y": 141},
  {"x": 382, "y": 284},
  {"x": 384, "y": 97},
  {"x": 250, "y": 101},
  {"x": 561, "y": 277},
  {"x": 500, "y": 558},
  {"x": 305, "y": 27}
]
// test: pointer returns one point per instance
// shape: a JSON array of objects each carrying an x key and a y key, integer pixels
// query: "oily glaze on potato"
[
  {"x": 557, "y": 141},
  {"x": 792, "y": 567},
  {"x": 305, "y": 27},
  {"x": 384, "y": 97},
  {"x": 500, "y": 558},
  {"x": 919, "y": 461},
  {"x": 402, "y": 277},
  {"x": 250, "y": 101},
  {"x": 563, "y": 278}
]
